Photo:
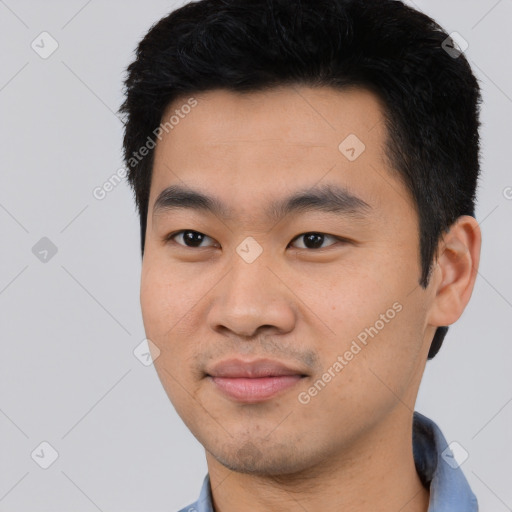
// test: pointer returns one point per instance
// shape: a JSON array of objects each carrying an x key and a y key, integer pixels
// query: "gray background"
[{"x": 68, "y": 375}]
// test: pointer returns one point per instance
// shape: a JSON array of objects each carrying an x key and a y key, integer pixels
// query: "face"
[{"x": 286, "y": 309}]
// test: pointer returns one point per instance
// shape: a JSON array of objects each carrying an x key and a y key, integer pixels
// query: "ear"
[{"x": 455, "y": 271}]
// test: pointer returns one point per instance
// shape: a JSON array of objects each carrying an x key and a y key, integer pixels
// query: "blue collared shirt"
[{"x": 436, "y": 467}]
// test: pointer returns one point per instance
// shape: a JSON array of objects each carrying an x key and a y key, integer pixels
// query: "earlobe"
[{"x": 455, "y": 271}]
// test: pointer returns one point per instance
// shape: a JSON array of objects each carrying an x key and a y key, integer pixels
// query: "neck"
[{"x": 376, "y": 471}]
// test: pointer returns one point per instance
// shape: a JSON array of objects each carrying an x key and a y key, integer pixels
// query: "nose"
[{"x": 252, "y": 297}]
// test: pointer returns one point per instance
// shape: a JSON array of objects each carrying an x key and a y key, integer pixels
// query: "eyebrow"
[{"x": 327, "y": 198}]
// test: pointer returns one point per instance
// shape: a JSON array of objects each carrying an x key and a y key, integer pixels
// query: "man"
[{"x": 305, "y": 173}]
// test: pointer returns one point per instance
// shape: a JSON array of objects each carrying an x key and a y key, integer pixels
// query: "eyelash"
[{"x": 171, "y": 236}]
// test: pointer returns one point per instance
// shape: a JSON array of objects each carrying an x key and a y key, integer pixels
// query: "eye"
[
  {"x": 191, "y": 239},
  {"x": 314, "y": 240}
]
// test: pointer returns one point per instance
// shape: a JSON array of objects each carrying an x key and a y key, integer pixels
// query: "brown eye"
[
  {"x": 314, "y": 240},
  {"x": 190, "y": 238}
]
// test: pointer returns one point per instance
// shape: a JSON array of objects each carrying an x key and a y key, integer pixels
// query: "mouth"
[{"x": 253, "y": 381}]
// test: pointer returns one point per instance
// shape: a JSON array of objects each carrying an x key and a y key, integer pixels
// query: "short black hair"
[{"x": 430, "y": 95}]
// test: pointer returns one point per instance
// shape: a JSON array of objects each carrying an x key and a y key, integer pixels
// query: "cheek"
[
  {"x": 347, "y": 297},
  {"x": 153, "y": 300},
  {"x": 373, "y": 369},
  {"x": 163, "y": 295},
  {"x": 170, "y": 303},
  {"x": 375, "y": 315},
  {"x": 161, "y": 306},
  {"x": 164, "y": 316}
]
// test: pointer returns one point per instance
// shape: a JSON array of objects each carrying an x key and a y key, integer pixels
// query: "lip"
[
  {"x": 238, "y": 368},
  {"x": 253, "y": 381}
]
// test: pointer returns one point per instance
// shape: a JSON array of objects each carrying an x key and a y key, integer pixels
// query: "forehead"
[
  {"x": 298, "y": 114},
  {"x": 248, "y": 146}
]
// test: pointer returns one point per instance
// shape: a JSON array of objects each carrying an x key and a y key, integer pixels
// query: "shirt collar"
[
  {"x": 435, "y": 464},
  {"x": 438, "y": 469}
]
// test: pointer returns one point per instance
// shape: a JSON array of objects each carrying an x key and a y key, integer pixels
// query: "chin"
[{"x": 252, "y": 458}]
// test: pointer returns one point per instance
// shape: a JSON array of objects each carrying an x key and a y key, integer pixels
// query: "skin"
[{"x": 350, "y": 447}]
